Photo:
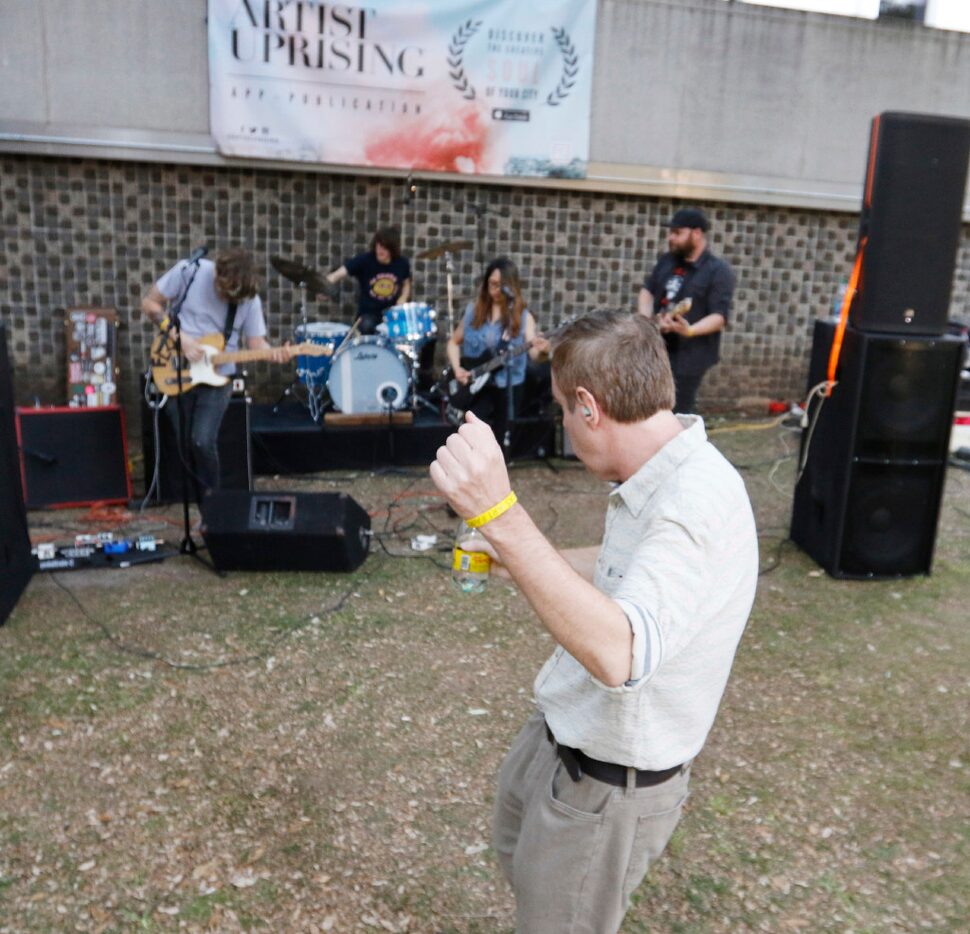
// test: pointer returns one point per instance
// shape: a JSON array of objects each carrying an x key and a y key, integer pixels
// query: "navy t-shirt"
[{"x": 380, "y": 284}]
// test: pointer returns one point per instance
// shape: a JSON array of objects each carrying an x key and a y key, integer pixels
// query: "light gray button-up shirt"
[{"x": 680, "y": 557}]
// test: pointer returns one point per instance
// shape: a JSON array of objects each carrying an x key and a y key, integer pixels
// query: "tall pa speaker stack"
[
  {"x": 868, "y": 498},
  {"x": 16, "y": 561}
]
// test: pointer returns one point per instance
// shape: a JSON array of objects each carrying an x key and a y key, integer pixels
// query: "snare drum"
[
  {"x": 412, "y": 321},
  {"x": 369, "y": 375},
  {"x": 313, "y": 371}
]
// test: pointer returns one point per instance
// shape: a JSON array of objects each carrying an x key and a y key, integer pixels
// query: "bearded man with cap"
[{"x": 689, "y": 271}]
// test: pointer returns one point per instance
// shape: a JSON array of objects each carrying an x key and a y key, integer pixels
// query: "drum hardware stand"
[
  {"x": 410, "y": 190},
  {"x": 449, "y": 272},
  {"x": 447, "y": 250},
  {"x": 479, "y": 210},
  {"x": 309, "y": 281},
  {"x": 289, "y": 390}
]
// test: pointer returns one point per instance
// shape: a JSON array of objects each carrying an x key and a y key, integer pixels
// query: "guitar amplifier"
[
  {"x": 235, "y": 450},
  {"x": 73, "y": 457}
]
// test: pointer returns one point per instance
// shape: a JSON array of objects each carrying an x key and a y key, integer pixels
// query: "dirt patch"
[{"x": 317, "y": 752}]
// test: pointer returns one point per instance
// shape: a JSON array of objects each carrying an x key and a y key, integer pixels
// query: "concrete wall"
[{"x": 693, "y": 98}]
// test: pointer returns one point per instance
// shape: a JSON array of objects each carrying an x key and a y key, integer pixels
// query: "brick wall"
[{"x": 94, "y": 232}]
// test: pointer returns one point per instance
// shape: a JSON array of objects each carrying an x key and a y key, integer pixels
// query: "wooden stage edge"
[{"x": 349, "y": 419}]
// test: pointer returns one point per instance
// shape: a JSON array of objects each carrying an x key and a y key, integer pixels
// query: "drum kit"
[{"x": 366, "y": 373}]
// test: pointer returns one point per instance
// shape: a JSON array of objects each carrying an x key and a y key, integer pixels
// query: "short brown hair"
[
  {"x": 618, "y": 357},
  {"x": 236, "y": 274}
]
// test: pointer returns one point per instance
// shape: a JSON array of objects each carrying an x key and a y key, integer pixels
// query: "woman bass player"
[
  {"x": 496, "y": 326},
  {"x": 216, "y": 299}
]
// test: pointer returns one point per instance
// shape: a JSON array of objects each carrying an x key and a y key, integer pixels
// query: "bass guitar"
[
  {"x": 460, "y": 396},
  {"x": 165, "y": 373}
]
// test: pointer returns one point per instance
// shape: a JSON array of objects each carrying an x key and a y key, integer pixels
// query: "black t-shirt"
[
  {"x": 709, "y": 283},
  {"x": 380, "y": 284}
]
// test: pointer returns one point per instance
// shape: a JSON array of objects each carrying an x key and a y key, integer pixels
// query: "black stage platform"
[{"x": 286, "y": 440}]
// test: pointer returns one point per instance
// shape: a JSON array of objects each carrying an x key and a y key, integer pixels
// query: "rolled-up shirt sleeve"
[{"x": 647, "y": 651}]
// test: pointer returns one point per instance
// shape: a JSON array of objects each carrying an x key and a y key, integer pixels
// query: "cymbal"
[
  {"x": 297, "y": 273},
  {"x": 455, "y": 246}
]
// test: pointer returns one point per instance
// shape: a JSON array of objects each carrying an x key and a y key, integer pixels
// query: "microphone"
[
  {"x": 410, "y": 189},
  {"x": 197, "y": 254},
  {"x": 508, "y": 293}
]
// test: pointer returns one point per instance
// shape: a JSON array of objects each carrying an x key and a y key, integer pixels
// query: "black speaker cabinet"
[
  {"x": 869, "y": 496},
  {"x": 16, "y": 562},
  {"x": 916, "y": 179},
  {"x": 73, "y": 457},
  {"x": 284, "y": 531},
  {"x": 235, "y": 450}
]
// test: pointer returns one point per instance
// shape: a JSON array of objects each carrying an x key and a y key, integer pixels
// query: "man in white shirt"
[{"x": 647, "y": 625}]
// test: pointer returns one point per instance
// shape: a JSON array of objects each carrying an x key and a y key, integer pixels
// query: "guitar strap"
[{"x": 230, "y": 320}]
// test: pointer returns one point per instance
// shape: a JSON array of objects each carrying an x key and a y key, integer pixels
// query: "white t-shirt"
[
  {"x": 680, "y": 557},
  {"x": 204, "y": 311}
]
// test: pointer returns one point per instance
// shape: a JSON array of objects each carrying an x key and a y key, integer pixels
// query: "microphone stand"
[
  {"x": 509, "y": 394},
  {"x": 410, "y": 189},
  {"x": 480, "y": 210},
  {"x": 187, "y": 545}
]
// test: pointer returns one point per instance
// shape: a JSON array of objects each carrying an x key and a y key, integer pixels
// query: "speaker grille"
[
  {"x": 73, "y": 457},
  {"x": 906, "y": 398},
  {"x": 868, "y": 500},
  {"x": 283, "y": 531},
  {"x": 891, "y": 520}
]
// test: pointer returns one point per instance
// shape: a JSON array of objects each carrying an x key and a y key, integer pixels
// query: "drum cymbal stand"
[
  {"x": 314, "y": 392},
  {"x": 291, "y": 390},
  {"x": 417, "y": 400},
  {"x": 450, "y": 289}
]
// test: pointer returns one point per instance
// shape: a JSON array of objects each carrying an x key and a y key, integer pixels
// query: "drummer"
[{"x": 384, "y": 277}]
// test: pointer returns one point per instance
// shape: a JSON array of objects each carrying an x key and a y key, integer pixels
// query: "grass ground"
[{"x": 315, "y": 752}]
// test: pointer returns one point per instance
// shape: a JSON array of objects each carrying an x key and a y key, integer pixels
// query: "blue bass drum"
[{"x": 314, "y": 371}]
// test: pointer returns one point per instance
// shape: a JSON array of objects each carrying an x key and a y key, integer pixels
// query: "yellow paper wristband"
[{"x": 504, "y": 506}]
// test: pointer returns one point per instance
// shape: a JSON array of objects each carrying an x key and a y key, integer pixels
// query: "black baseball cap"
[{"x": 689, "y": 217}]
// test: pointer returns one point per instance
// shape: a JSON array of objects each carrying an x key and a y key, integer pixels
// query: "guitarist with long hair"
[
  {"x": 496, "y": 323},
  {"x": 216, "y": 298}
]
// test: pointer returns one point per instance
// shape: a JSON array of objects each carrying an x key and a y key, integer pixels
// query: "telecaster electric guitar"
[
  {"x": 681, "y": 308},
  {"x": 203, "y": 372}
]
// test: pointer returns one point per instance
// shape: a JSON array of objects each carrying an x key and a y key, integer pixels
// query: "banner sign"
[{"x": 492, "y": 87}]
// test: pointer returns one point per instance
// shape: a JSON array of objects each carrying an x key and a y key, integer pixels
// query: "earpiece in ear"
[{"x": 587, "y": 411}]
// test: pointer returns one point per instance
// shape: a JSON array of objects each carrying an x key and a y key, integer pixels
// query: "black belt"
[{"x": 579, "y": 764}]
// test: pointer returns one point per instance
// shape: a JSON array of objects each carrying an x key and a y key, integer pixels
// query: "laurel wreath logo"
[
  {"x": 459, "y": 80},
  {"x": 456, "y": 54},
  {"x": 570, "y": 68}
]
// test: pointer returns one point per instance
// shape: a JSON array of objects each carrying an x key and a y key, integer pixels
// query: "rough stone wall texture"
[{"x": 75, "y": 232}]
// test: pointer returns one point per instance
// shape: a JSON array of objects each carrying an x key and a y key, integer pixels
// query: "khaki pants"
[{"x": 575, "y": 851}]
